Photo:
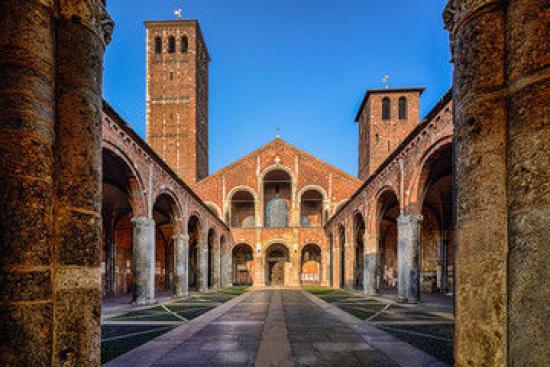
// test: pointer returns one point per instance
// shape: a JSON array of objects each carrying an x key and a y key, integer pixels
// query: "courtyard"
[{"x": 314, "y": 326}]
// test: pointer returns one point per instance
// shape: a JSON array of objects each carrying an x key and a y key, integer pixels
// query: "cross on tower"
[{"x": 386, "y": 81}]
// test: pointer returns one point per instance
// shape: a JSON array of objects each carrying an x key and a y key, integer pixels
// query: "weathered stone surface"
[
  {"x": 144, "y": 260},
  {"x": 78, "y": 239},
  {"x": 77, "y": 326},
  {"x": 26, "y": 334},
  {"x": 27, "y": 286}
]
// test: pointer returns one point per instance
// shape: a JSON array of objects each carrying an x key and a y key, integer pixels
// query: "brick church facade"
[{"x": 277, "y": 199}]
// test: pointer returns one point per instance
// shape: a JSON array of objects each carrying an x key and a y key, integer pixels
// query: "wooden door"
[{"x": 277, "y": 274}]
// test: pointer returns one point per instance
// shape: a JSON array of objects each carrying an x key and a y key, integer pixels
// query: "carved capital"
[{"x": 90, "y": 13}]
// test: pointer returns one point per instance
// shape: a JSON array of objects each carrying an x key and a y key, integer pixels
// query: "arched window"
[
  {"x": 403, "y": 108},
  {"x": 171, "y": 45},
  {"x": 277, "y": 198},
  {"x": 386, "y": 108},
  {"x": 243, "y": 210},
  {"x": 184, "y": 44},
  {"x": 158, "y": 45},
  {"x": 311, "y": 209}
]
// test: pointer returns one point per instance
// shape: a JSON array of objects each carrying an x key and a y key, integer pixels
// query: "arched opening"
[
  {"x": 386, "y": 108},
  {"x": 403, "y": 108},
  {"x": 164, "y": 214},
  {"x": 359, "y": 247},
  {"x": 311, "y": 265},
  {"x": 158, "y": 45},
  {"x": 210, "y": 256},
  {"x": 342, "y": 238},
  {"x": 277, "y": 198},
  {"x": 193, "y": 228},
  {"x": 311, "y": 209},
  {"x": 243, "y": 210},
  {"x": 171, "y": 44},
  {"x": 388, "y": 212},
  {"x": 436, "y": 246},
  {"x": 117, "y": 231},
  {"x": 243, "y": 265},
  {"x": 277, "y": 261},
  {"x": 184, "y": 45}
]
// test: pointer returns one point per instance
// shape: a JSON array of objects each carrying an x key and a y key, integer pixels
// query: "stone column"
[
  {"x": 50, "y": 134},
  {"x": 203, "y": 261},
  {"x": 226, "y": 265},
  {"x": 501, "y": 56},
  {"x": 216, "y": 261},
  {"x": 370, "y": 264},
  {"x": 442, "y": 266},
  {"x": 181, "y": 253},
  {"x": 408, "y": 235},
  {"x": 144, "y": 260}
]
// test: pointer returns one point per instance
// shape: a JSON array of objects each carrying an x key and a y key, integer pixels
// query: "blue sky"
[{"x": 299, "y": 65}]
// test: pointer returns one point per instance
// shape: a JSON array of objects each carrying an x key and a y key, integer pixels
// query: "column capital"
[
  {"x": 93, "y": 15},
  {"x": 143, "y": 221},
  {"x": 181, "y": 237},
  {"x": 405, "y": 219}
]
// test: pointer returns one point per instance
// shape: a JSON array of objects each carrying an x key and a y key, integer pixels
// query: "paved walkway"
[{"x": 275, "y": 328}]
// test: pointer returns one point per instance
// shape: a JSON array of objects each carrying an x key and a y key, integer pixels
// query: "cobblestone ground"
[
  {"x": 127, "y": 330},
  {"x": 427, "y": 328},
  {"x": 272, "y": 327}
]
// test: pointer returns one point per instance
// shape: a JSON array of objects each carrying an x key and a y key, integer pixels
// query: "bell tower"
[
  {"x": 177, "y": 96},
  {"x": 385, "y": 118}
]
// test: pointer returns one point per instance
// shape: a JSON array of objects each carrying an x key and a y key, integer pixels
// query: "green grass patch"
[
  {"x": 359, "y": 312},
  {"x": 112, "y": 349},
  {"x": 319, "y": 291},
  {"x": 235, "y": 291}
]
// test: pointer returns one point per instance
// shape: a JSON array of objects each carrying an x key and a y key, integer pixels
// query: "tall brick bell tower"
[
  {"x": 385, "y": 117},
  {"x": 177, "y": 96}
]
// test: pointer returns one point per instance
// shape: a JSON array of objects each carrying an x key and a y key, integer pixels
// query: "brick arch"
[
  {"x": 138, "y": 201},
  {"x": 215, "y": 208},
  {"x": 373, "y": 221},
  {"x": 416, "y": 185},
  {"x": 314, "y": 188},
  {"x": 170, "y": 193},
  {"x": 276, "y": 167},
  {"x": 236, "y": 189}
]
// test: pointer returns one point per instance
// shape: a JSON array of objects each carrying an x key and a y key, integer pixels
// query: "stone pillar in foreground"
[
  {"x": 501, "y": 85},
  {"x": 370, "y": 264},
  {"x": 408, "y": 236},
  {"x": 144, "y": 260},
  {"x": 50, "y": 169},
  {"x": 181, "y": 253},
  {"x": 216, "y": 263}
]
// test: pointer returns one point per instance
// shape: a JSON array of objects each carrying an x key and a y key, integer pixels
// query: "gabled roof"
[
  {"x": 288, "y": 147},
  {"x": 369, "y": 92}
]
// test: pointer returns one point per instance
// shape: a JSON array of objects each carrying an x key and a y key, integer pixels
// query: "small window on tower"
[
  {"x": 171, "y": 44},
  {"x": 386, "y": 108},
  {"x": 184, "y": 45},
  {"x": 377, "y": 138},
  {"x": 158, "y": 45},
  {"x": 403, "y": 108},
  {"x": 171, "y": 76}
]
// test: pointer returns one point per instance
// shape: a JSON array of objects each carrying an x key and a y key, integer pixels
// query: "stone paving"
[
  {"x": 428, "y": 326},
  {"x": 275, "y": 327}
]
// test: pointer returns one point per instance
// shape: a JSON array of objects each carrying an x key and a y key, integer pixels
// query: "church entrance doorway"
[{"x": 277, "y": 257}]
